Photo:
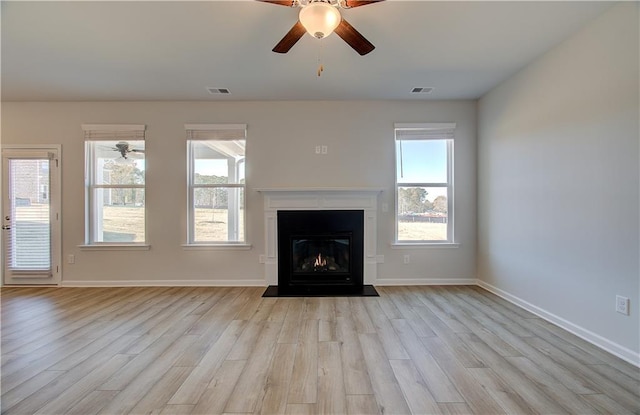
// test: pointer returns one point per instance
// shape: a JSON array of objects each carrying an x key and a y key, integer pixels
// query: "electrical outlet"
[
  {"x": 71, "y": 259},
  {"x": 324, "y": 149},
  {"x": 317, "y": 149},
  {"x": 262, "y": 259},
  {"x": 407, "y": 259},
  {"x": 622, "y": 305}
]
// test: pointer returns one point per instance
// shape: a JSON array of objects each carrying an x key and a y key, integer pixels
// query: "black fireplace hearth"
[{"x": 320, "y": 252}]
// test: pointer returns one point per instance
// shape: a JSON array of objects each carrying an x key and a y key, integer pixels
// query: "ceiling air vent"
[
  {"x": 214, "y": 91},
  {"x": 421, "y": 90}
]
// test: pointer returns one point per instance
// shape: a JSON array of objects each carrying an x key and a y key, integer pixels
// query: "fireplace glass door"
[{"x": 320, "y": 258}]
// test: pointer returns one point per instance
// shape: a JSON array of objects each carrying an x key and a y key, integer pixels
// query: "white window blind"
[
  {"x": 216, "y": 131},
  {"x": 428, "y": 131},
  {"x": 28, "y": 239},
  {"x": 114, "y": 132}
]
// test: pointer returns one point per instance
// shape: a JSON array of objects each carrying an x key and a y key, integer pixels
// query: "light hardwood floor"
[{"x": 421, "y": 350}]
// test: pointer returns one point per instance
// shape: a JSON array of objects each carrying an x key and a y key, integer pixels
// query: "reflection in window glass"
[
  {"x": 423, "y": 189},
  {"x": 116, "y": 191},
  {"x": 217, "y": 184}
]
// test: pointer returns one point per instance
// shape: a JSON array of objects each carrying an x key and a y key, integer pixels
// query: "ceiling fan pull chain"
[{"x": 320, "y": 65}]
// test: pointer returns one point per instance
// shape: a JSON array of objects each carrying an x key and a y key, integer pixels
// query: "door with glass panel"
[{"x": 30, "y": 216}]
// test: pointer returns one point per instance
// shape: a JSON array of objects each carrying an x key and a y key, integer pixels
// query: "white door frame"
[{"x": 56, "y": 205}]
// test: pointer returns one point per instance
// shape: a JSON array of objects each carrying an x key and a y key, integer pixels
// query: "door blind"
[{"x": 28, "y": 236}]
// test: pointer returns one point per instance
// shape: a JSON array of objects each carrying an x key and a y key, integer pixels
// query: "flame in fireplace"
[{"x": 320, "y": 262}]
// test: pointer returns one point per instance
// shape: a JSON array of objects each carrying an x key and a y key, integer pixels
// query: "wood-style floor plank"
[
  {"x": 215, "y": 397},
  {"x": 522, "y": 385},
  {"x": 291, "y": 323},
  {"x": 356, "y": 377},
  {"x": 192, "y": 388},
  {"x": 208, "y": 350},
  {"x": 385, "y": 386},
  {"x": 418, "y": 397},
  {"x": 278, "y": 380},
  {"x": 332, "y": 398},
  {"x": 362, "y": 404},
  {"x": 408, "y": 312},
  {"x": 246, "y": 395},
  {"x": 474, "y": 395},
  {"x": 500, "y": 391},
  {"x": 441, "y": 387},
  {"x": 304, "y": 383}
]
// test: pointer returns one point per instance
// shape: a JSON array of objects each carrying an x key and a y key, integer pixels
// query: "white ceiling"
[{"x": 173, "y": 50}]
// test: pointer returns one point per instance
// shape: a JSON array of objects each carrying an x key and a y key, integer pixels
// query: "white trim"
[
  {"x": 234, "y": 188},
  {"x": 56, "y": 208},
  {"x": 93, "y": 218},
  {"x": 615, "y": 349},
  {"x": 216, "y": 247},
  {"x": 425, "y": 281},
  {"x": 113, "y": 127},
  {"x": 115, "y": 247},
  {"x": 449, "y": 185},
  {"x": 167, "y": 283}
]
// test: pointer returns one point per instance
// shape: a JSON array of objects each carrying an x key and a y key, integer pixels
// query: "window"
[
  {"x": 115, "y": 184},
  {"x": 216, "y": 162},
  {"x": 424, "y": 183}
]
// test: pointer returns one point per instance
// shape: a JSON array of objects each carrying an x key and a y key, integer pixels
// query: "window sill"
[
  {"x": 424, "y": 245},
  {"x": 115, "y": 247},
  {"x": 216, "y": 247}
]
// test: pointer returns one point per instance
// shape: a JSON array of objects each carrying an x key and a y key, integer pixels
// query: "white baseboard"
[
  {"x": 426, "y": 281},
  {"x": 622, "y": 352},
  {"x": 166, "y": 283},
  {"x": 251, "y": 283}
]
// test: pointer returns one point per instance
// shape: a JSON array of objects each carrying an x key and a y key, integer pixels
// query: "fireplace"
[
  {"x": 279, "y": 200},
  {"x": 320, "y": 251}
]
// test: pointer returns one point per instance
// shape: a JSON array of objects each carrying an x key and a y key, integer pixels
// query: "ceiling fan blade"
[
  {"x": 350, "y": 35},
  {"x": 288, "y": 3},
  {"x": 290, "y": 39},
  {"x": 350, "y": 4}
]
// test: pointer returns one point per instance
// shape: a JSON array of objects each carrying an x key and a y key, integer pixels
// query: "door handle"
[{"x": 6, "y": 227}]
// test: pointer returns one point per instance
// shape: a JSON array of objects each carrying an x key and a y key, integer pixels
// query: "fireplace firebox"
[{"x": 320, "y": 252}]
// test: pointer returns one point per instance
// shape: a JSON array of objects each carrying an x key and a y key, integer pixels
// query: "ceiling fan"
[
  {"x": 125, "y": 148},
  {"x": 320, "y": 18}
]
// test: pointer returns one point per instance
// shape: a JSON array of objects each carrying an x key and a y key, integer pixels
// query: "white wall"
[
  {"x": 558, "y": 184},
  {"x": 281, "y": 141}
]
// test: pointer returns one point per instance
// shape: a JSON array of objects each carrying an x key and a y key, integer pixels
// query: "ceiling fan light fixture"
[{"x": 320, "y": 19}]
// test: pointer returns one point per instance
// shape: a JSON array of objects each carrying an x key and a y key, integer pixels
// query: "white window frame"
[
  {"x": 213, "y": 132},
  {"x": 427, "y": 131},
  {"x": 55, "y": 197},
  {"x": 107, "y": 132}
]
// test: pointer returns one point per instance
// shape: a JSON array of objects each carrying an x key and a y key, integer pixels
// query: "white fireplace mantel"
[{"x": 365, "y": 199}]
